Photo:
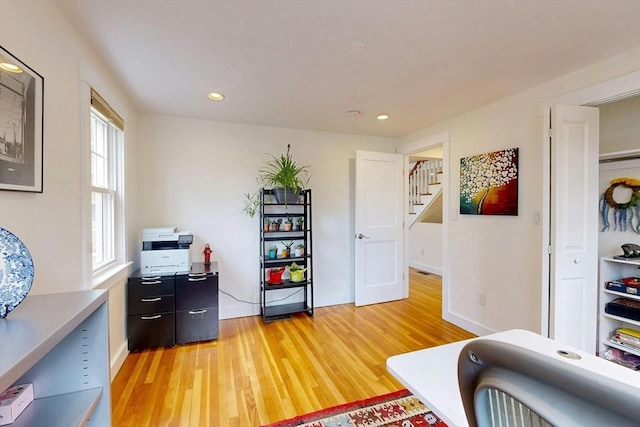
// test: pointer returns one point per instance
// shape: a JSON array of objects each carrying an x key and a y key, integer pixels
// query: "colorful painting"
[{"x": 489, "y": 183}]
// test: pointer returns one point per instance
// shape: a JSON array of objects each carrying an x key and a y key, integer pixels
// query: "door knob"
[
  {"x": 362, "y": 236},
  {"x": 576, "y": 260}
]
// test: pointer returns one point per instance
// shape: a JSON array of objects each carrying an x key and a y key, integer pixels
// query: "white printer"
[{"x": 165, "y": 250}]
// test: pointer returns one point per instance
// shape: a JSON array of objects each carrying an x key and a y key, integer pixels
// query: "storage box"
[
  {"x": 624, "y": 307},
  {"x": 621, "y": 286},
  {"x": 13, "y": 401}
]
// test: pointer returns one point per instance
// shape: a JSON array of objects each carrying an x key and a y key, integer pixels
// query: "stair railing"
[{"x": 423, "y": 174}]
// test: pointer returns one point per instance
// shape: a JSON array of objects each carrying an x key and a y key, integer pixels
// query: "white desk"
[{"x": 432, "y": 374}]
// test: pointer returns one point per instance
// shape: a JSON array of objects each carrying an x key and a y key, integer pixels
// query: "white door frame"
[
  {"x": 608, "y": 91},
  {"x": 441, "y": 139}
]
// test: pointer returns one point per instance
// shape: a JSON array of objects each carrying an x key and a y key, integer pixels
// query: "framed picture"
[
  {"x": 489, "y": 183},
  {"x": 21, "y": 125}
]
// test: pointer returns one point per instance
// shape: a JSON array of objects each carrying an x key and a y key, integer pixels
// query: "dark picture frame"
[{"x": 21, "y": 125}]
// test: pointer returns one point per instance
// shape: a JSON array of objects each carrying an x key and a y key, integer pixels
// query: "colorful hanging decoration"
[{"x": 625, "y": 213}]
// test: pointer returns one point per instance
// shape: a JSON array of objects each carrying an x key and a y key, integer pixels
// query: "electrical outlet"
[{"x": 481, "y": 298}]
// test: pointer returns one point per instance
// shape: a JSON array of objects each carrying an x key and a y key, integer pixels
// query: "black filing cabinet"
[
  {"x": 150, "y": 311},
  {"x": 197, "y": 304}
]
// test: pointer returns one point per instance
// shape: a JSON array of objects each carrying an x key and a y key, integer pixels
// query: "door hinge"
[{"x": 549, "y": 251}]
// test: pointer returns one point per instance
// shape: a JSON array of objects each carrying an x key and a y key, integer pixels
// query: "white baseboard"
[
  {"x": 330, "y": 300},
  {"x": 466, "y": 324},
  {"x": 118, "y": 360},
  {"x": 246, "y": 311},
  {"x": 239, "y": 311},
  {"x": 426, "y": 268}
]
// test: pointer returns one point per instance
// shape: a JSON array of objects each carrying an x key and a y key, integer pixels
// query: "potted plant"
[
  {"x": 273, "y": 252},
  {"x": 287, "y": 249},
  {"x": 296, "y": 272},
  {"x": 275, "y": 225},
  {"x": 285, "y": 176},
  {"x": 288, "y": 224},
  {"x": 300, "y": 222},
  {"x": 299, "y": 250},
  {"x": 275, "y": 275}
]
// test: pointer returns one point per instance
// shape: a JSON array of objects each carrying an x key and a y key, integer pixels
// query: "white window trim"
[{"x": 116, "y": 271}]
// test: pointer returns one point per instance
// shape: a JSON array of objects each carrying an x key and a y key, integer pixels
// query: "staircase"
[{"x": 424, "y": 187}]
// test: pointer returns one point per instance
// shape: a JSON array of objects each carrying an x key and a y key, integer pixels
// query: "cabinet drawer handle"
[
  {"x": 151, "y": 278},
  {"x": 155, "y": 282},
  {"x": 197, "y": 274},
  {"x": 151, "y": 317},
  {"x": 198, "y": 279},
  {"x": 150, "y": 299},
  {"x": 197, "y": 312}
]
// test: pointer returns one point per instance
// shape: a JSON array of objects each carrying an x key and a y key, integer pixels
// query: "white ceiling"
[{"x": 283, "y": 62}]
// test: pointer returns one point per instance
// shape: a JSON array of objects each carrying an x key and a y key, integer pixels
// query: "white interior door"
[
  {"x": 379, "y": 227},
  {"x": 574, "y": 226}
]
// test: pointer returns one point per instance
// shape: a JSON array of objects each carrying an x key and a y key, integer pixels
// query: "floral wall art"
[{"x": 489, "y": 183}]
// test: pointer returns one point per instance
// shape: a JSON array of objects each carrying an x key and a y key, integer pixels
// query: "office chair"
[{"x": 506, "y": 385}]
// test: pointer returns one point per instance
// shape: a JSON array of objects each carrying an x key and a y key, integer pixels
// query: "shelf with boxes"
[
  {"x": 619, "y": 311},
  {"x": 285, "y": 255}
]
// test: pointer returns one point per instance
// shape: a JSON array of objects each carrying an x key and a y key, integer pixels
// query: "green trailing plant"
[
  {"x": 284, "y": 172},
  {"x": 251, "y": 204}
]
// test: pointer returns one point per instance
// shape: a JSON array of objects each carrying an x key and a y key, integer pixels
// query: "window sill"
[{"x": 111, "y": 277}]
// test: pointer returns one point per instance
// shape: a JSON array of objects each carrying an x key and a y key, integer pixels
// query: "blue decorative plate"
[{"x": 16, "y": 272}]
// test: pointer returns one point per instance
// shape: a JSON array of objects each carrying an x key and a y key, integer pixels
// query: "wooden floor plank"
[{"x": 255, "y": 374}]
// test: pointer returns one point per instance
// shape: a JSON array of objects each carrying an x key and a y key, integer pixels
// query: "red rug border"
[{"x": 345, "y": 406}]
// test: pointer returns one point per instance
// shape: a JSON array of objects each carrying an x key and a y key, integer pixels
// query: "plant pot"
[
  {"x": 285, "y": 253},
  {"x": 273, "y": 253},
  {"x": 275, "y": 276},
  {"x": 287, "y": 226},
  {"x": 266, "y": 226},
  {"x": 298, "y": 252},
  {"x": 285, "y": 196},
  {"x": 298, "y": 275}
]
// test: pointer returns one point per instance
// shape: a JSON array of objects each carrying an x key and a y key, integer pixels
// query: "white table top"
[{"x": 432, "y": 374}]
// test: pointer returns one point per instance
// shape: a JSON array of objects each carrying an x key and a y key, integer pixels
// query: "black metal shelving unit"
[{"x": 272, "y": 305}]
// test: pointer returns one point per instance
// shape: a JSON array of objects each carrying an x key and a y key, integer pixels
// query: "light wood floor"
[{"x": 255, "y": 374}]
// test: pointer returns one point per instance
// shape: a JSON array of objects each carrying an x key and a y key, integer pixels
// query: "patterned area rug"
[{"x": 397, "y": 409}]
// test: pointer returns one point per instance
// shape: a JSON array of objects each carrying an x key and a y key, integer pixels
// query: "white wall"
[
  {"x": 620, "y": 125},
  {"x": 501, "y": 255},
  {"x": 425, "y": 247},
  {"x": 609, "y": 241},
  {"x": 49, "y": 223},
  {"x": 193, "y": 175}
]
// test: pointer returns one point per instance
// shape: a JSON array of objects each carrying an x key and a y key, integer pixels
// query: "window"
[{"x": 106, "y": 184}]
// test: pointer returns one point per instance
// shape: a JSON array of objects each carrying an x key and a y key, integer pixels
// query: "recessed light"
[
  {"x": 382, "y": 117},
  {"x": 10, "y": 67},
  {"x": 352, "y": 114},
  {"x": 215, "y": 96}
]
